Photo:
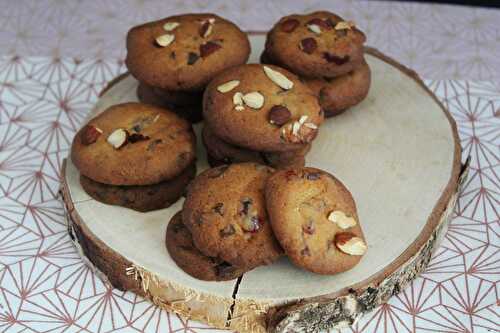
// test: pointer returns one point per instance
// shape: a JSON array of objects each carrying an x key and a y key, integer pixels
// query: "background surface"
[{"x": 55, "y": 56}]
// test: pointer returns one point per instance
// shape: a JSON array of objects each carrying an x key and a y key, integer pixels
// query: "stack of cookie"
[
  {"x": 326, "y": 52},
  {"x": 175, "y": 58},
  {"x": 262, "y": 114},
  {"x": 241, "y": 216},
  {"x": 135, "y": 155},
  {"x": 223, "y": 230}
]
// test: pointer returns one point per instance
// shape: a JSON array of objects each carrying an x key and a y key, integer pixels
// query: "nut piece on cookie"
[{"x": 314, "y": 218}]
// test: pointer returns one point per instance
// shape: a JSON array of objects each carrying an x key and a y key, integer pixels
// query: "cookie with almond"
[
  {"x": 262, "y": 108},
  {"x": 318, "y": 44},
  {"x": 134, "y": 144},
  {"x": 225, "y": 212},
  {"x": 179, "y": 243},
  {"x": 184, "y": 52},
  {"x": 314, "y": 218},
  {"x": 338, "y": 94}
]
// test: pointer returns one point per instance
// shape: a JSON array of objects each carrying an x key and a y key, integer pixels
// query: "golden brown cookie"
[
  {"x": 220, "y": 152},
  {"x": 189, "y": 109},
  {"x": 319, "y": 44},
  {"x": 134, "y": 144},
  {"x": 313, "y": 216},
  {"x": 225, "y": 212},
  {"x": 143, "y": 198},
  {"x": 185, "y": 52},
  {"x": 182, "y": 250},
  {"x": 338, "y": 94},
  {"x": 262, "y": 108}
]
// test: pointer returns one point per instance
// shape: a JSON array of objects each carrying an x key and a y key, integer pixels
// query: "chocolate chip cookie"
[
  {"x": 182, "y": 250},
  {"x": 220, "y": 152},
  {"x": 313, "y": 216},
  {"x": 185, "y": 104},
  {"x": 143, "y": 198},
  {"x": 319, "y": 44},
  {"x": 340, "y": 93},
  {"x": 184, "y": 52},
  {"x": 262, "y": 108},
  {"x": 226, "y": 214},
  {"x": 134, "y": 144}
]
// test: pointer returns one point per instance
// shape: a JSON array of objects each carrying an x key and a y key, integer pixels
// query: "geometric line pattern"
[{"x": 45, "y": 287}]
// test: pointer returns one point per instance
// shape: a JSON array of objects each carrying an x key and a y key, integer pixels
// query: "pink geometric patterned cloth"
[{"x": 44, "y": 285}]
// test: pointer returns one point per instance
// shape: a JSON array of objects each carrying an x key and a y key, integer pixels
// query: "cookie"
[
  {"x": 182, "y": 250},
  {"x": 313, "y": 216},
  {"x": 220, "y": 152},
  {"x": 225, "y": 212},
  {"x": 189, "y": 109},
  {"x": 134, "y": 144},
  {"x": 143, "y": 198},
  {"x": 338, "y": 94},
  {"x": 262, "y": 108},
  {"x": 319, "y": 44},
  {"x": 184, "y": 52}
]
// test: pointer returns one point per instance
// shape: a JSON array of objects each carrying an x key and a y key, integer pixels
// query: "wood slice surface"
[{"x": 398, "y": 152}]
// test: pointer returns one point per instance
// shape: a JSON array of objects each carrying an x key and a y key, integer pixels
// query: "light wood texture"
[{"x": 397, "y": 152}]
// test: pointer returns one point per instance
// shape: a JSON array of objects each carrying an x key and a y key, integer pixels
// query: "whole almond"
[
  {"x": 341, "y": 219},
  {"x": 308, "y": 45},
  {"x": 118, "y": 138},
  {"x": 228, "y": 86},
  {"x": 279, "y": 115},
  {"x": 350, "y": 244},
  {"x": 89, "y": 135},
  {"x": 165, "y": 40},
  {"x": 281, "y": 80},
  {"x": 255, "y": 100},
  {"x": 330, "y": 57},
  {"x": 208, "y": 48},
  {"x": 205, "y": 29},
  {"x": 289, "y": 25},
  {"x": 169, "y": 26}
]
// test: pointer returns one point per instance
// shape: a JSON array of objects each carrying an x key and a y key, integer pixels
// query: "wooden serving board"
[{"x": 398, "y": 152}]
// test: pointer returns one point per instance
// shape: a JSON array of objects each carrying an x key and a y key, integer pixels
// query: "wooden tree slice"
[{"x": 398, "y": 152}]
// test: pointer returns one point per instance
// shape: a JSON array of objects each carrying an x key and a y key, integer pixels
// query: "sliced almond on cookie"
[
  {"x": 228, "y": 86},
  {"x": 344, "y": 25},
  {"x": 281, "y": 80},
  {"x": 118, "y": 138},
  {"x": 169, "y": 26},
  {"x": 350, "y": 244},
  {"x": 314, "y": 28},
  {"x": 165, "y": 40},
  {"x": 341, "y": 219},
  {"x": 254, "y": 99}
]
